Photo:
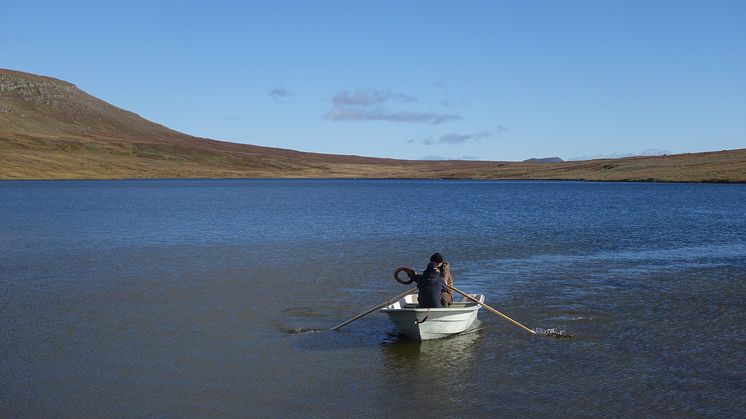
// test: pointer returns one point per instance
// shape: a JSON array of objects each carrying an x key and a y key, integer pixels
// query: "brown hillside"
[{"x": 49, "y": 129}]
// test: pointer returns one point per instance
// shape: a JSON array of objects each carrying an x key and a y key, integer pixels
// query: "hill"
[{"x": 50, "y": 129}]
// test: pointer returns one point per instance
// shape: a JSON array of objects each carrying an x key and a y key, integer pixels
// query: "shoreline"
[{"x": 124, "y": 179}]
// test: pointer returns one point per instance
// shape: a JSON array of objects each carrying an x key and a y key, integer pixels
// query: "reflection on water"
[
  {"x": 439, "y": 370},
  {"x": 436, "y": 352}
]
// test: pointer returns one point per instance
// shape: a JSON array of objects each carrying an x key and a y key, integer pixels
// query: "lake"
[{"x": 185, "y": 298}]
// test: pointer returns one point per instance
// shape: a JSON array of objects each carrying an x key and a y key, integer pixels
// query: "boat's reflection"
[{"x": 405, "y": 353}]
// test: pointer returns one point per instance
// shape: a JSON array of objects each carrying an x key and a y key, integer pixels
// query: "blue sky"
[{"x": 492, "y": 80}]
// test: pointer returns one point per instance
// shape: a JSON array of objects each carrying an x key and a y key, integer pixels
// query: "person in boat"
[
  {"x": 431, "y": 284},
  {"x": 445, "y": 272}
]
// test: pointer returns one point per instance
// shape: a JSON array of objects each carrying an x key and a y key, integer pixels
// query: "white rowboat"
[{"x": 432, "y": 323}]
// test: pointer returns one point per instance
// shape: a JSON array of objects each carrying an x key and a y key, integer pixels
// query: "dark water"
[{"x": 181, "y": 298}]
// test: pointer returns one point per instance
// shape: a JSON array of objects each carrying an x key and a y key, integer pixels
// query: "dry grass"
[{"x": 34, "y": 157}]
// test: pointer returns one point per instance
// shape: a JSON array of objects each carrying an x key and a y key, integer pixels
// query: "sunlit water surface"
[{"x": 185, "y": 298}]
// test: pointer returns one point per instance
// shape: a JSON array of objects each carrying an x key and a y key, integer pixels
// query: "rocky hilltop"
[
  {"x": 50, "y": 129},
  {"x": 43, "y": 105}
]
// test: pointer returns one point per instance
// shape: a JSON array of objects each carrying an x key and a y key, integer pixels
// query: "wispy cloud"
[
  {"x": 462, "y": 138},
  {"x": 341, "y": 113},
  {"x": 644, "y": 153},
  {"x": 279, "y": 94},
  {"x": 368, "y": 105},
  {"x": 370, "y": 97},
  {"x": 233, "y": 118},
  {"x": 454, "y": 138}
]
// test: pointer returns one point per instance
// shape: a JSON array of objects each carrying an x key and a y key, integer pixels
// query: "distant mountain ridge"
[
  {"x": 50, "y": 129},
  {"x": 544, "y": 160}
]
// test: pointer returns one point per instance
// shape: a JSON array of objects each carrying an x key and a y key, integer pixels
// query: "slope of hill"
[{"x": 49, "y": 129}]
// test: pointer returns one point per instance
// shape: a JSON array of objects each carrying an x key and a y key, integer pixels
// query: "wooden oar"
[
  {"x": 492, "y": 310},
  {"x": 385, "y": 303}
]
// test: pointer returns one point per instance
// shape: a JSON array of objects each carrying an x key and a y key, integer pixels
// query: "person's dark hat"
[{"x": 437, "y": 258}]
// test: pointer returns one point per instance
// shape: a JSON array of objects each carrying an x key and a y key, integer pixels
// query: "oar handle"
[
  {"x": 492, "y": 310},
  {"x": 372, "y": 309}
]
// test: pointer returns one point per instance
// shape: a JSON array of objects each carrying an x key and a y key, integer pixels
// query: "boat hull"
[{"x": 425, "y": 324}]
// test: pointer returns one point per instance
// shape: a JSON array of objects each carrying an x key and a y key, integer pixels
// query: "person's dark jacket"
[{"x": 430, "y": 285}]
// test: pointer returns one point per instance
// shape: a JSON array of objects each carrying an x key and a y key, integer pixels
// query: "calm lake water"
[{"x": 182, "y": 298}]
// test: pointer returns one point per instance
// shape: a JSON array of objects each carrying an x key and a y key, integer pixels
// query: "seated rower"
[{"x": 433, "y": 292}]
